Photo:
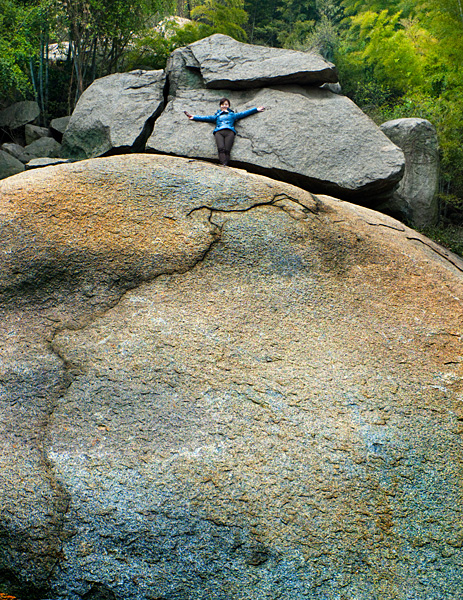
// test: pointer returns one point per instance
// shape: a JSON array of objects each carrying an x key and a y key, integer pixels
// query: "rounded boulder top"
[{"x": 225, "y": 387}]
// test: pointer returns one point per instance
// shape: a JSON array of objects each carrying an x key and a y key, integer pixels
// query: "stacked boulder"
[
  {"x": 415, "y": 199},
  {"x": 40, "y": 145},
  {"x": 309, "y": 136},
  {"x": 115, "y": 114}
]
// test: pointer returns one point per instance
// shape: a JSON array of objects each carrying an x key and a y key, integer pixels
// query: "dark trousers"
[{"x": 224, "y": 139}]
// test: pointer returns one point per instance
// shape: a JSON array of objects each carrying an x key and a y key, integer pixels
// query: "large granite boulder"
[
  {"x": 416, "y": 196},
  {"x": 115, "y": 113},
  {"x": 225, "y": 63},
  {"x": 9, "y": 165},
  {"x": 218, "y": 386},
  {"x": 19, "y": 114},
  {"x": 319, "y": 140}
]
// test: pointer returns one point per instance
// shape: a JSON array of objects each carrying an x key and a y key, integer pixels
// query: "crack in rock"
[{"x": 442, "y": 254}]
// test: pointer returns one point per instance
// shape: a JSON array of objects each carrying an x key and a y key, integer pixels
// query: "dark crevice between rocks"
[
  {"x": 328, "y": 75},
  {"x": 362, "y": 196},
  {"x": 139, "y": 144},
  {"x": 10, "y": 585}
]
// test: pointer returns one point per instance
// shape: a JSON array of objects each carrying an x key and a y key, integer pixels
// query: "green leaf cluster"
[
  {"x": 402, "y": 58},
  {"x": 280, "y": 22},
  {"x": 222, "y": 16},
  {"x": 18, "y": 35},
  {"x": 152, "y": 49}
]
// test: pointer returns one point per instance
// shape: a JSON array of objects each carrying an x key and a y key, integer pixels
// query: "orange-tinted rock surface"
[{"x": 218, "y": 386}]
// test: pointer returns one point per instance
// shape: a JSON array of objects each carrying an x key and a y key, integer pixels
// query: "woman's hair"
[{"x": 222, "y": 100}]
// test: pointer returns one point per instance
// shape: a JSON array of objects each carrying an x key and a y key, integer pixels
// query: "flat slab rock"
[
  {"x": 226, "y": 63},
  {"x": 114, "y": 113},
  {"x": 36, "y": 163},
  {"x": 224, "y": 387},
  {"x": 319, "y": 140}
]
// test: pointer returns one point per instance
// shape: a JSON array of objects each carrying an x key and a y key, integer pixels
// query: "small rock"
[
  {"x": 33, "y": 132},
  {"x": 58, "y": 127},
  {"x": 45, "y": 162},
  {"x": 44, "y": 147},
  {"x": 415, "y": 200},
  {"x": 9, "y": 165}
]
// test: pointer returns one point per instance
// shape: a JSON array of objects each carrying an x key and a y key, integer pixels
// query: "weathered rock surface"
[
  {"x": 19, "y": 114},
  {"x": 44, "y": 147},
  {"x": 116, "y": 112},
  {"x": 274, "y": 411},
  {"x": 9, "y": 165},
  {"x": 309, "y": 136},
  {"x": 416, "y": 196},
  {"x": 225, "y": 63}
]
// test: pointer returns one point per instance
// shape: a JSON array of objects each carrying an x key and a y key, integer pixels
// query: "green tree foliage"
[
  {"x": 280, "y": 22},
  {"x": 152, "y": 49},
  {"x": 260, "y": 28},
  {"x": 222, "y": 16},
  {"x": 99, "y": 32},
  {"x": 389, "y": 48},
  {"x": 298, "y": 24},
  {"x": 324, "y": 36},
  {"x": 445, "y": 20},
  {"x": 355, "y": 7},
  {"x": 402, "y": 58},
  {"x": 16, "y": 48}
]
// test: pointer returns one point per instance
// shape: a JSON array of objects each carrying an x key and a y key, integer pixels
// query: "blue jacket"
[{"x": 225, "y": 120}]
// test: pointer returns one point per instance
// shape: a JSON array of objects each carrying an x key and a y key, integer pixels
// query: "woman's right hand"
[{"x": 190, "y": 116}]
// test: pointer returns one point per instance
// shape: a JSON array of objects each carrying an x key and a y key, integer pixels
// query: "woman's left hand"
[{"x": 260, "y": 108}]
